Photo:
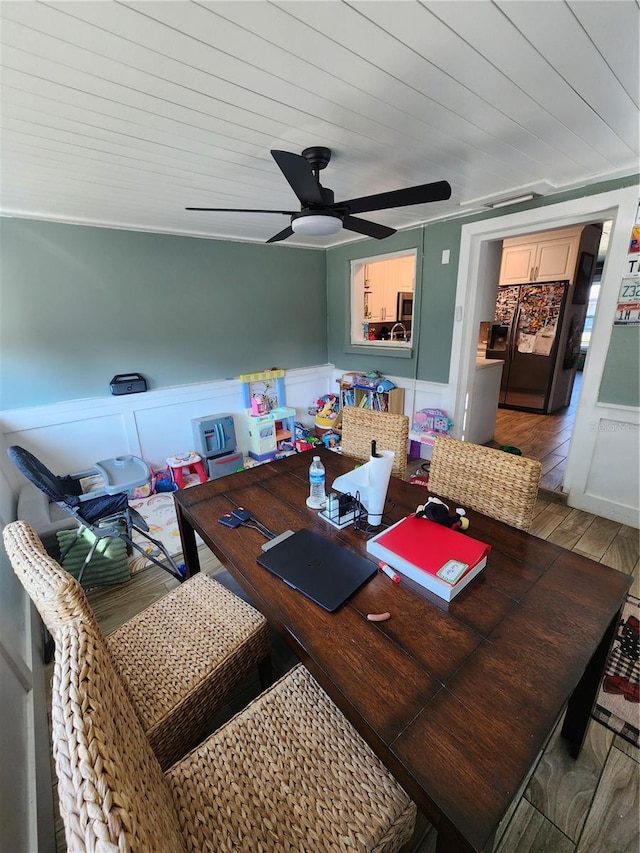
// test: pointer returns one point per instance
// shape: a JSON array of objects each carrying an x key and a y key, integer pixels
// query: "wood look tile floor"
[
  {"x": 586, "y": 806},
  {"x": 542, "y": 437}
]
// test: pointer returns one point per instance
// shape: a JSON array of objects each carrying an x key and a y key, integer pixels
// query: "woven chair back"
[
  {"x": 112, "y": 793},
  {"x": 495, "y": 483},
  {"x": 57, "y": 595},
  {"x": 390, "y": 432}
]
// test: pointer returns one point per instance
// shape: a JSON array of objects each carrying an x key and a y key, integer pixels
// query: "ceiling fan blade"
[
  {"x": 363, "y": 226},
  {"x": 297, "y": 170},
  {"x": 438, "y": 191},
  {"x": 281, "y": 235},
  {"x": 241, "y": 210}
]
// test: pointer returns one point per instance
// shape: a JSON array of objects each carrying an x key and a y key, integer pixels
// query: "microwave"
[{"x": 404, "y": 312}]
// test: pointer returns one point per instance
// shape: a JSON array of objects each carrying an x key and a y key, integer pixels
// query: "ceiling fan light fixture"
[{"x": 316, "y": 224}]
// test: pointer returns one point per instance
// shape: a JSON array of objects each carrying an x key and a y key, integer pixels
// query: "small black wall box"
[{"x": 128, "y": 383}]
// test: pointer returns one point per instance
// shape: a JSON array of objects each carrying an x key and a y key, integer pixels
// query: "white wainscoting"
[
  {"x": 603, "y": 464},
  {"x": 71, "y": 437}
]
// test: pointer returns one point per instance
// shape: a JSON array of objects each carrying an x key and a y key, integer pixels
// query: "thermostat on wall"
[{"x": 128, "y": 383}]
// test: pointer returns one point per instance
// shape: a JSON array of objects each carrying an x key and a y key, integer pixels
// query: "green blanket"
[{"x": 109, "y": 564}]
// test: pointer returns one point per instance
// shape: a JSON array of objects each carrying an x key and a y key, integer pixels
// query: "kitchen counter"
[
  {"x": 482, "y": 363},
  {"x": 483, "y": 401}
]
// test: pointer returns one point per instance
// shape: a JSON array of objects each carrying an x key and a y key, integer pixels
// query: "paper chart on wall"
[{"x": 628, "y": 307}]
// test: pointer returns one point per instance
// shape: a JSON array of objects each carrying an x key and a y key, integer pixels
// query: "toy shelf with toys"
[{"x": 371, "y": 391}]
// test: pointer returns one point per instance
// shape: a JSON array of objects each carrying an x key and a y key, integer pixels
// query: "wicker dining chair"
[
  {"x": 288, "y": 772},
  {"x": 493, "y": 482},
  {"x": 390, "y": 432},
  {"x": 179, "y": 659}
]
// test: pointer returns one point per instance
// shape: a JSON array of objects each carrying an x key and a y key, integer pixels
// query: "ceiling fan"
[{"x": 319, "y": 215}]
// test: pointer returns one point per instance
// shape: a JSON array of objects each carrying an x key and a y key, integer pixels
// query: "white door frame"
[{"x": 620, "y": 206}]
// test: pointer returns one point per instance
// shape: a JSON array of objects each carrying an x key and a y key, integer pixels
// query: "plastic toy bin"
[{"x": 124, "y": 474}]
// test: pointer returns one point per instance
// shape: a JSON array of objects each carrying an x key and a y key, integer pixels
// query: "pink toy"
[
  {"x": 432, "y": 420},
  {"x": 258, "y": 405},
  {"x": 192, "y": 462}
]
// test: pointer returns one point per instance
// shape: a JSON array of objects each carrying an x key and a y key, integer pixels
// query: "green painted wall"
[
  {"x": 341, "y": 353},
  {"x": 437, "y": 303},
  {"x": 80, "y": 304},
  {"x": 621, "y": 377},
  {"x": 433, "y": 303}
]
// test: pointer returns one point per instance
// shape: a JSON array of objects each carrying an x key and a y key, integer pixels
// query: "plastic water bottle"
[{"x": 317, "y": 497}]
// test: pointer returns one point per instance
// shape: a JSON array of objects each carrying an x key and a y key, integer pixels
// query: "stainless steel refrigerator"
[{"x": 529, "y": 334}]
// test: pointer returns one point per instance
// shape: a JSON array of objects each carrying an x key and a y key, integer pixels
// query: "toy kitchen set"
[
  {"x": 214, "y": 439},
  {"x": 271, "y": 425}
]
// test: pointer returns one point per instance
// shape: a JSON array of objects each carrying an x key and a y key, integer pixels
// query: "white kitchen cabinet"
[
  {"x": 380, "y": 292},
  {"x": 383, "y": 281},
  {"x": 379, "y": 301},
  {"x": 548, "y": 256}
]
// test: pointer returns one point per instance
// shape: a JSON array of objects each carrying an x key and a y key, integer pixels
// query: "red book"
[{"x": 439, "y": 558}]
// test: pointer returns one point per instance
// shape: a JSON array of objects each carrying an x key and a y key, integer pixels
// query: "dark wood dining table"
[{"x": 456, "y": 698}]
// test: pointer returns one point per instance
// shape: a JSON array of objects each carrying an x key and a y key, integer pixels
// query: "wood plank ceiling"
[{"x": 123, "y": 113}]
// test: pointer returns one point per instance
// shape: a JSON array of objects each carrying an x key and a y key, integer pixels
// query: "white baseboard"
[{"x": 605, "y": 509}]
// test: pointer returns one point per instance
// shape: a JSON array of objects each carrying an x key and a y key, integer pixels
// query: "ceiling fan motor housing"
[{"x": 318, "y": 156}]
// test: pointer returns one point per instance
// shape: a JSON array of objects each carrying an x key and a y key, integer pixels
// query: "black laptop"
[{"x": 317, "y": 567}]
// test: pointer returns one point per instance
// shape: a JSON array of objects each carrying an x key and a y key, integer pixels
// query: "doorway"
[
  {"x": 480, "y": 247},
  {"x": 594, "y": 294},
  {"x": 546, "y": 437}
]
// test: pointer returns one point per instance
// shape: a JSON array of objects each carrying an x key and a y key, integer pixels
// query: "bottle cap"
[{"x": 316, "y": 458}]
